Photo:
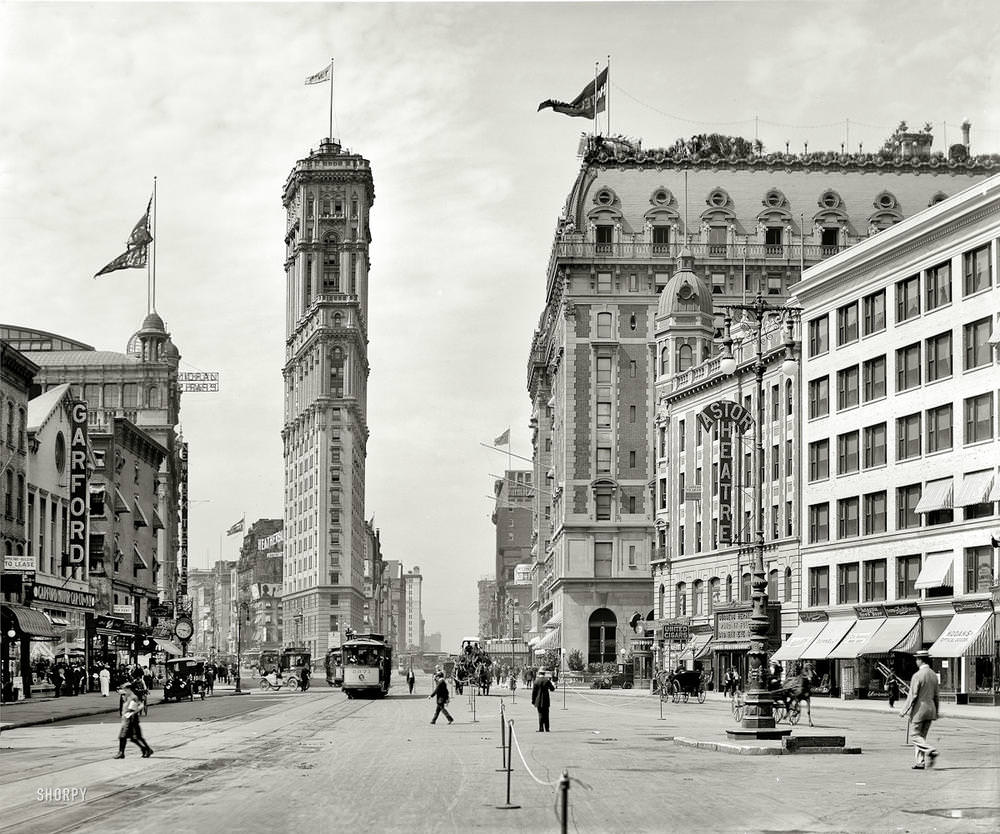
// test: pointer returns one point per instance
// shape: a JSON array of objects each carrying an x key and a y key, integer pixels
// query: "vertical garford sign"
[
  {"x": 182, "y": 454},
  {"x": 731, "y": 418},
  {"x": 76, "y": 551}
]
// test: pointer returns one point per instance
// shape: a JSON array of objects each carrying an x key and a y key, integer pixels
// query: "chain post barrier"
[
  {"x": 564, "y": 802},
  {"x": 510, "y": 766}
]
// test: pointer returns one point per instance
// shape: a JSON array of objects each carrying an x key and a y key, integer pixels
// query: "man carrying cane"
[
  {"x": 922, "y": 704},
  {"x": 541, "y": 700}
]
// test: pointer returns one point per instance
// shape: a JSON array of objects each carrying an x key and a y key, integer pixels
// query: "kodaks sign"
[
  {"x": 79, "y": 498},
  {"x": 731, "y": 418}
]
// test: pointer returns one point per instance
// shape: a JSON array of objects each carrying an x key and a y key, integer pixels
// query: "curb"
[
  {"x": 756, "y": 750},
  {"x": 54, "y": 719}
]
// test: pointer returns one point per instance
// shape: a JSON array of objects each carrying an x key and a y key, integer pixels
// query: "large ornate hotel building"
[
  {"x": 607, "y": 350},
  {"x": 327, "y": 197}
]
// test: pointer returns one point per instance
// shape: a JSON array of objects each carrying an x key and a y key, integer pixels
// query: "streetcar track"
[{"x": 156, "y": 789}]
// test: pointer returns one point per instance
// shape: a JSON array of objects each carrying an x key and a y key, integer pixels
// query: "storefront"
[
  {"x": 23, "y": 628},
  {"x": 816, "y": 660},
  {"x": 112, "y": 641},
  {"x": 696, "y": 654},
  {"x": 67, "y": 609},
  {"x": 965, "y": 655},
  {"x": 731, "y": 642}
]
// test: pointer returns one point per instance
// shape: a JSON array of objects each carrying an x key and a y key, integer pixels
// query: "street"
[{"x": 287, "y": 760}]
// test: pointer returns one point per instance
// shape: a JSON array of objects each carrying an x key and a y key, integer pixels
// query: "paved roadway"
[{"x": 318, "y": 762}]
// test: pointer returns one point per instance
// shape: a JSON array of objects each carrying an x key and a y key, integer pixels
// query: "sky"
[{"x": 98, "y": 98}]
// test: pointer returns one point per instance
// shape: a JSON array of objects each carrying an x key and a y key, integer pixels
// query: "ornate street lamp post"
[{"x": 758, "y": 718}]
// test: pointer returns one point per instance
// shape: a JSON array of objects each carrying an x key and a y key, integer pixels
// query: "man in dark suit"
[
  {"x": 442, "y": 696},
  {"x": 541, "y": 700},
  {"x": 922, "y": 704}
]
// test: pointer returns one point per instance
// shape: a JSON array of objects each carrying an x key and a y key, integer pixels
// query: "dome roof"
[
  {"x": 685, "y": 292},
  {"x": 153, "y": 322},
  {"x": 170, "y": 350}
]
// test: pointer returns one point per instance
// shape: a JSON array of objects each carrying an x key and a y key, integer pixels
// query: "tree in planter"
[
  {"x": 550, "y": 660},
  {"x": 575, "y": 661}
]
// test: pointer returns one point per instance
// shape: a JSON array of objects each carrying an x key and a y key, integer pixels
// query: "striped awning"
[
  {"x": 695, "y": 646},
  {"x": 798, "y": 641},
  {"x": 829, "y": 638},
  {"x": 32, "y": 623},
  {"x": 897, "y": 634},
  {"x": 975, "y": 488},
  {"x": 937, "y": 495},
  {"x": 554, "y": 621},
  {"x": 121, "y": 505},
  {"x": 853, "y": 644},
  {"x": 533, "y": 642},
  {"x": 995, "y": 491},
  {"x": 937, "y": 571},
  {"x": 961, "y": 633},
  {"x": 549, "y": 641},
  {"x": 138, "y": 557}
]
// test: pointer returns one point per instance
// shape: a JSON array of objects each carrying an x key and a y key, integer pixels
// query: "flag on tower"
[
  {"x": 136, "y": 247},
  {"x": 503, "y": 439},
  {"x": 321, "y": 76},
  {"x": 236, "y": 528},
  {"x": 595, "y": 94}
]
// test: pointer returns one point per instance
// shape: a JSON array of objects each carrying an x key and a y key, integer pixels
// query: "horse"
[
  {"x": 794, "y": 690},
  {"x": 485, "y": 678}
]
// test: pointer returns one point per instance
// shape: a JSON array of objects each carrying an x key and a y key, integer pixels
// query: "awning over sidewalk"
[
  {"x": 857, "y": 638},
  {"x": 554, "y": 621},
  {"x": 963, "y": 630},
  {"x": 936, "y": 571},
  {"x": 695, "y": 646},
  {"x": 167, "y": 646},
  {"x": 798, "y": 641},
  {"x": 549, "y": 641},
  {"x": 828, "y": 639},
  {"x": 32, "y": 623},
  {"x": 897, "y": 634}
]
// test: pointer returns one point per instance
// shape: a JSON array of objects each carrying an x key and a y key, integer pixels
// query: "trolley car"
[{"x": 367, "y": 665}]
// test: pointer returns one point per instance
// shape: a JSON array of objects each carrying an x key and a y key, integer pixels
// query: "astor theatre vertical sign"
[{"x": 731, "y": 418}]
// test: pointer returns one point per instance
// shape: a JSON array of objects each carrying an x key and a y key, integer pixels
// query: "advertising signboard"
[
  {"x": 731, "y": 418},
  {"x": 198, "y": 381},
  {"x": 182, "y": 453},
  {"x": 79, "y": 498}
]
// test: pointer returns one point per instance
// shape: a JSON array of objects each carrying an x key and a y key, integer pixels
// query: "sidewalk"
[
  {"x": 48, "y": 710},
  {"x": 985, "y": 713}
]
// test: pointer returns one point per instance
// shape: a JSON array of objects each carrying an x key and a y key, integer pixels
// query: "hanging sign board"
[
  {"x": 731, "y": 417},
  {"x": 198, "y": 382},
  {"x": 79, "y": 497}
]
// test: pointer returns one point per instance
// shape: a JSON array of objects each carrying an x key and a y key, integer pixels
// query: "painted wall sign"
[
  {"x": 730, "y": 417},
  {"x": 19, "y": 563},
  {"x": 268, "y": 542},
  {"x": 79, "y": 497},
  {"x": 63, "y": 596},
  {"x": 182, "y": 454},
  {"x": 198, "y": 381}
]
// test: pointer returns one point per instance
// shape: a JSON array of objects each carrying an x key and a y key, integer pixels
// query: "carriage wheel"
[
  {"x": 793, "y": 715},
  {"x": 780, "y": 714},
  {"x": 686, "y": 696},
  {"x": 701, "y": 696}
]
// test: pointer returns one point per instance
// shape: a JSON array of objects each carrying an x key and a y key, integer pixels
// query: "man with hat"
[
  {"x": 540, "y": 698},
  {"x": 922, "y": 704}
]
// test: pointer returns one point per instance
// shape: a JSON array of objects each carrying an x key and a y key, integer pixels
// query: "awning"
[
  {"x": 995, "y": 492},
  {"x": 898, "y": 634},
  {"x": 695, "y": 646},
  {"x": 963, "y": 630},
  {"x": 828, "y": 639},
  {"x": 549, "y": 641},
  {"x": 975, "y": 488},
  {"x": 167, "y": 646},
  {"x": 705, "y": 650},
  {"x": 799, "y": 640},
  {"x": 554, "y": 621},
  {"x": 533, "y": 642},
  {"x": 937, "y": 495},
  {"x": 138, "y": 556},
  {"x": 157, "y": 523},
  {"x": 857, "y": 638},
  {"x": 121, "y": 505},
  {"x": 937, "y": 571},
  {"x": 32, "y": 623},
  {"x": 139, "y": 517},
  {"x": 57, "y": 621}
]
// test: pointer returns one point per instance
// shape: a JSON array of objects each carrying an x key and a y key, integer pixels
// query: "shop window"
[{"x": 978, "y": 569}]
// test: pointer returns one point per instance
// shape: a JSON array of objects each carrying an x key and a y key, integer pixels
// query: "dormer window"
[
  {"x": 605, "y": 197},
  {"x": 661, "y": 239},
  {"x": 603, "y": 237},
  {"x": 718, "y": 198}
]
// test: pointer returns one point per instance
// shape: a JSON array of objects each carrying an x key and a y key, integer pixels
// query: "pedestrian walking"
[
  {"x": 411, "y": 679},
  {"x": 440, "y": 693},
  {"x": 57, "y": 680},
  {"x": 541, "y": 700},
  {"x": 922, "y": 705},
  {"x": 132, "y": 704},
  {"x": 104, "y": 676},
  {"x": 210, "y": 679},
  {"x": 892, "y": 690}
]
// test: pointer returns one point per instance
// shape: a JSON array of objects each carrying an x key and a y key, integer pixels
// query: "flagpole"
[
  {"x": 153, "y": 259},
  {"x": 608, "y": 95},
  {"x": 331, "y": 99},
  {"x": 593, "y": 100}
]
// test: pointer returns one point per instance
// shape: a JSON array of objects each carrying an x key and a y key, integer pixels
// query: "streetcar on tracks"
[{"x": 367, "y": 665}]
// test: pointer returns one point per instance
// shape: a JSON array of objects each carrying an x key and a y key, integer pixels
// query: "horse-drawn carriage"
[
  {"x": 686, "y": 684},
  {"x": 473, "y": 667}
]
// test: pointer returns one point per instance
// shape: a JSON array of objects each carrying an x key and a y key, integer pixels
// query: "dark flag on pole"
[
  {"x": 595, "y": 94},
  {"x": 136, "y": 248}
]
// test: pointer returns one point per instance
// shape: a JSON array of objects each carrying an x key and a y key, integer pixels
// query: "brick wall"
[{"x": 580, "y": 417}]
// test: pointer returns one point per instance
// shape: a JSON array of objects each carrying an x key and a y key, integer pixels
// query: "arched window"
[
  {"x": 729, "y": 588},
  {"x": 680, "y": 600},
  {"x": 337, "y": 319},
  {"x": 697, "y": 598},
  {"x": 604, "y": 325},
  {"x": 788, "y": 585},
  {"x": 745, "y": 587},
  {"x": 713, "y": 593},
  {"x": 788, "y": 397},
  {"x": 685, "y": 358},
  {"x": 603, "y": 642},
  {"x": 153, "y": 397},
  {"x": 772, "y": 585},
  {"x": 331, "y": 265},
  {"x": 664, "y": 356},
  {"x": 663, "y": 600}
]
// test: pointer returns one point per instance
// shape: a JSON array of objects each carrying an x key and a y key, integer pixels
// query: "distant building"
[
  {"x": 224, "y": 630},
  {"x": 487, "y": 592},
  {"x": 373, "y": 578},
  {"x": 414, "y": 638},
  {"x": 260, "y": 585},
  {"x": 432, "y": 642},
  {"x": 394, "y": 605},
  {"x": 512, "y": 519},
  {"x": 201, "y": 590}
]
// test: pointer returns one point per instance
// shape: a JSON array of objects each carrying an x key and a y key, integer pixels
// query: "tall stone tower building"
[{"x": 327, "y": 197}]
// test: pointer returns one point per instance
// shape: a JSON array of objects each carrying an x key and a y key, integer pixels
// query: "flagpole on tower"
[
  {"x": 597, "y": 130},
  {"x": 331, "y": 99},
  {"x": 607, "y": 95},
  {"x": 152, "y": 298}
]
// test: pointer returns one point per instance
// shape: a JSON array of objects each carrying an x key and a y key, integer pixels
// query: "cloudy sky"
[{"x": 469, "y": 179}]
